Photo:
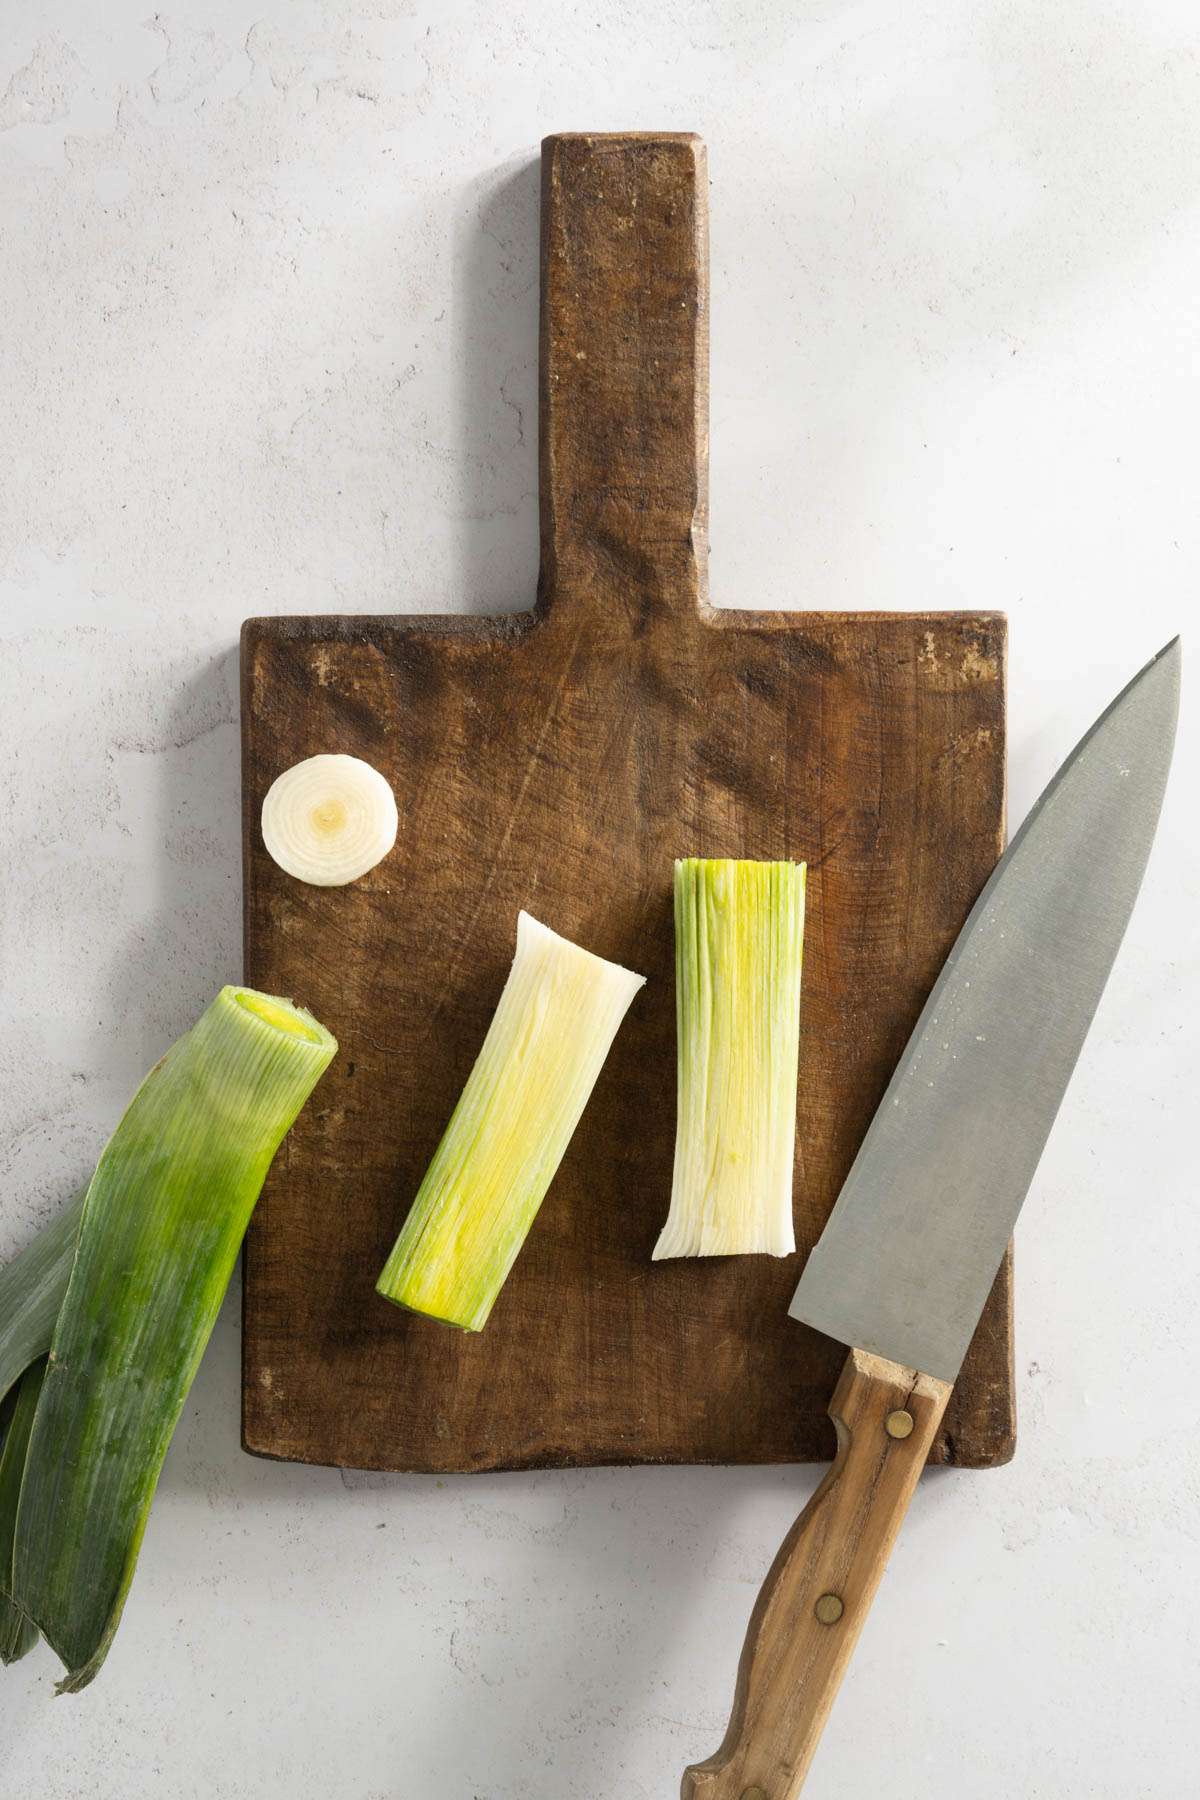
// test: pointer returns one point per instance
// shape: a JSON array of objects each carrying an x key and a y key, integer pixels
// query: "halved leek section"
[
  {"x": 739, "y": 936},
  {"x": 547, "y": 1042},
  {"x": 162, "y": 1221},
  {"x": 18, "y": 1634}
]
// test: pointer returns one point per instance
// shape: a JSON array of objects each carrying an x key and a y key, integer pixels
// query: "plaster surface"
[{"x": 268, "y": 299}]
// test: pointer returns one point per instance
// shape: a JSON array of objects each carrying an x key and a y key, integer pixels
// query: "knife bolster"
[{"x": 812, "y": 1606}]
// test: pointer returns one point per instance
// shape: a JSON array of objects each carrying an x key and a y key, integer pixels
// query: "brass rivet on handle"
[
  {"x": 754, "y": 1794},
  {"x": 829, "y": 1609},
  {"x": 899, "y": 1424}
]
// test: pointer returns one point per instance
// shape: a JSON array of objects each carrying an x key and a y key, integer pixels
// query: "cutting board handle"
[
  {"x": 815, "y": 1599},
  {"x": 624, "y": 374}
]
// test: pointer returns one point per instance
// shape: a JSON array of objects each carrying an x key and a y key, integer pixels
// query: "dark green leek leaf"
[
  {"x": 162, "y": 1222},
  {"x": 31, "y": 1291},
  {"x": 18, "y": 1634}
]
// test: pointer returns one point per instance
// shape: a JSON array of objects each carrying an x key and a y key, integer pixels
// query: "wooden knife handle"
[{"x": 813, "y": 1603}]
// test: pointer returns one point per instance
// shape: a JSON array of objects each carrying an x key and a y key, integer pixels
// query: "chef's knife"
[{"x": 911, "y": 1249}]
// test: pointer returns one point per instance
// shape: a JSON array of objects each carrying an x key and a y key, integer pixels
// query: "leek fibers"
[
  {"x": 739, "y": 932},
  {"x": 162, "y": 1220},
  {"x": 546, "y": 1044}
]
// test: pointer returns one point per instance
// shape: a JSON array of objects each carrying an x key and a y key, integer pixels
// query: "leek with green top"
[
  {"x": 739, "y": 934},
  {"x": 547, "y": 1042},
  {"x": 162, "y": 1221}
]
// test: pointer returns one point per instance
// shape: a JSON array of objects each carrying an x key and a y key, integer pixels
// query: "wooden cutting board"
[{"x": 559, "y": 760}]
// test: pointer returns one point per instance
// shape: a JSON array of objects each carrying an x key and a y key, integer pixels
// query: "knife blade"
[
  {"x": 912, "y": 1246},
  {"x": 908, "y": 1256}
]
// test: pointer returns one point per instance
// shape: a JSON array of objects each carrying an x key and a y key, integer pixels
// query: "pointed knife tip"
[
  {"x": 1165, "y": 674},
  {"x": 1170, "y": 657}
]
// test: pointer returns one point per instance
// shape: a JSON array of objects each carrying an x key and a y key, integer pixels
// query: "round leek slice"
[{"x": 329, "y": 819}]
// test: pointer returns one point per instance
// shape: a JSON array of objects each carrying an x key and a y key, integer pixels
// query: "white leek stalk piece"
[
  {"x": 329, "y": 819},
  {"x": 739, "y": 934},
  {"x": 547, "y": 1042}
]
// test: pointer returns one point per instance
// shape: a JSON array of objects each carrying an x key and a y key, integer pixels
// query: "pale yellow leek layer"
[{"x": 544, "y": 1049}]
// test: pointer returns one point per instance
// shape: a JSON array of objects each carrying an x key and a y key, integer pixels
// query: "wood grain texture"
[
  {"x": 560, "y": 760},
  {"x": 814, "y": 1603}
]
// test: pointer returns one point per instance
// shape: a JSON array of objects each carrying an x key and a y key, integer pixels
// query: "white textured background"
[{"x": 267, "y": 295}]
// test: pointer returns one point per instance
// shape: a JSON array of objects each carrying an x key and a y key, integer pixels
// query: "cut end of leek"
[
  {"x": 739, "y": 933},
  {"x": 281, "y": 1014},
  {"x": 544, "y": 1049},
  {"x": 329, "y": 819}
]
